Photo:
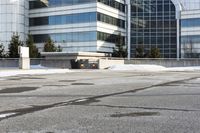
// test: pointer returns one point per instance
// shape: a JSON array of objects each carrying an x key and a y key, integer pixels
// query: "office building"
[
  {"x": 94, "y": 25},
  {"x": 13, "y": 19},
  {"x": 164, "y": 24},
  {"x": 77, "y": 25}
]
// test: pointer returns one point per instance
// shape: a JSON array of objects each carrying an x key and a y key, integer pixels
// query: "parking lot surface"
[{"x": 101, "y": 102}]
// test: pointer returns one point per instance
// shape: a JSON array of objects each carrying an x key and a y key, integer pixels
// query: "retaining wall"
[
  {"x": 51, "y": 63},
  {"x": 166, "y": 62},
  {"x": 103, "y": 63}
]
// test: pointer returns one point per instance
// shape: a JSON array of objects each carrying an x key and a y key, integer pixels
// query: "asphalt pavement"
[{"x": 101, "y": 102}]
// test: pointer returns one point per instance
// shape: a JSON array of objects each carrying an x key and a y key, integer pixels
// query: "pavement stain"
[
  {"x": 25, "y": 78},
  {"x": 32, "y": 109},
  {"x": 135, "y": 114},
  {"x": 18, "y": 89},
  {"x": 82, "y": 84},
  {"x": 54, "y": 85},
  {"x": 67, "y": 80}
]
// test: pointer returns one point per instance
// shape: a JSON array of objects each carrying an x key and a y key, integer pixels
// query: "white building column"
[
  {"x": 178, "y": 17},
  {"x": 128, "y": 13},
  {"x": 24, "y": 60},
  {"x": 178, "y": 39}
]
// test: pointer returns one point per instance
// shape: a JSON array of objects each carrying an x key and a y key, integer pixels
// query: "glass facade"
[
  {"x": 76, "y": 37},
  {"x": 154, "y": 25},
  {"x": 67, "y": 37},
  {"x": 13, "y": 19},
  {"x": 193, "y": 22},
  {"x": 76, "y": 18},
  {"x": 113, "y": 4},
  {"x": 77, "y": 34},
  {"x": 110, "y": 20},
  {"x": 55, "y": 3},
  {"x": 111, "y": 38},
  {"x": 64, "y": 19},
  {"x": 190, "y": 46}
]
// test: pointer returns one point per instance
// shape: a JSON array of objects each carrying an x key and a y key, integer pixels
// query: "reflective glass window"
[
  {"x": 54, "y": 3},
  {"x": 193, "y": 22},
  {"x": 64, "y": 19},
  {"x": 114, "y": 4},
  {"x": 153, "y": 24},
  {"x": 66, "y": 37}
]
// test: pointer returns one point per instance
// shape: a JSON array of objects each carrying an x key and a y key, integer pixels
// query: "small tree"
[
  {"x": 33, "y": 50},
  {"x": 13, "y": 46},
  {"x": 120, "y": 49},
  {"x": 2, "y": 51},
  {"x": 155, "y": 53},
  {"x": 49, "y": 46},
  {"x": 140, "y": 52}
]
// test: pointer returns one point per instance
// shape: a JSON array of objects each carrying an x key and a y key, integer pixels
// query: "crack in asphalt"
[
  {"x": 158, "y": 95},
  {"x": 145, "y": 108},
  {"x": 44, "y": 96},
  {"x": 82, "y": 101},
  {"x": 25, "y": 78}
]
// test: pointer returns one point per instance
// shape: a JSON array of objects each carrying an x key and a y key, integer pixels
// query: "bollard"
[{"x": 24, "y": 60}]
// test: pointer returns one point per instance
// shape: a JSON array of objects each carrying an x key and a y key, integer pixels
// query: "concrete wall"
[
  {"x": 105, "y": 63},
  {"x": 56, "y": 63},
  {"x": 166, "y": 62},
  {"x": 7, "y": 63}
]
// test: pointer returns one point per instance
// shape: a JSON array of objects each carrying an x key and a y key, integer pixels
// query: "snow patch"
[
  {"x": 81, "y": 100},
  {"x": 138, "y": 67},
  {"x": 38, "y": 67},
  {"x": 7, "y": 73},
  {"x": 184, "y": 69},
  {"x": 152, "y": 68},
  {"x": 6, "y": 115}
]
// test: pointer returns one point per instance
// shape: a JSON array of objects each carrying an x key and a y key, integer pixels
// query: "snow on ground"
[
  {"x": 152, "y": 68},
  {"x": 38, "y": 70},
  {"x": 14, "y": 72},
  {"x": 137, "y": 67},
  {"x": 38, "y": 67},
  {"x": 185, "y": 69},
  {"x": 6, "y": 115}
]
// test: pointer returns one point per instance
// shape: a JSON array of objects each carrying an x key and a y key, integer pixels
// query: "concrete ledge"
[
  {"x": 72, "y": 56},
  {"x": 105, "y": 63}
]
